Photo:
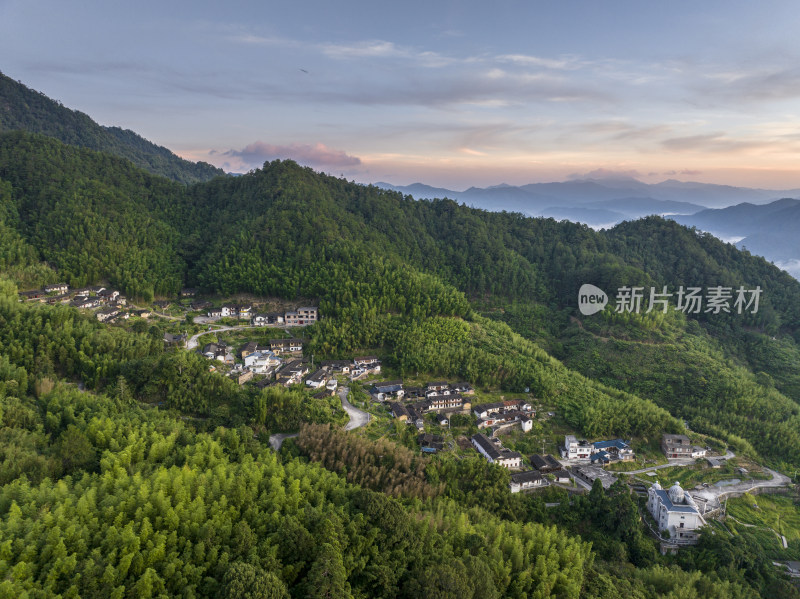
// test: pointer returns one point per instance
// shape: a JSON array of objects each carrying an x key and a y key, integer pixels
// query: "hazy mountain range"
[
  {"x": 769, "y": 230},
  {"x": 764, "y": 221},
  {"x": 751, "y": 218}
]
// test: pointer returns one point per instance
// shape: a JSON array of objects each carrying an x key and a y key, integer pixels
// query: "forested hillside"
[
  {"x": 393, "y": 272},
  {"x": 152, "y": 482},
  {"x": 24, "y": 109},
  {"x": 103, "y": 498}
]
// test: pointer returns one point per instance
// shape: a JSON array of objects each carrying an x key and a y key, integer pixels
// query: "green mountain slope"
[
  {"x": 383, "y": 265},
  {"x": 101, "y": 497},
  {"x": 24, "y": 109},
  {"x": 92, "y": 216}
]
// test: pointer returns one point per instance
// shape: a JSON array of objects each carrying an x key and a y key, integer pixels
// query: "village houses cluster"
[
  {"x": 411, "y": 404},
  {"x": 109, "y": 304},
  {"x": 300, "y": 317},
  {"x": 112, "y": 305},
  {"x": 280, "y": 362}
]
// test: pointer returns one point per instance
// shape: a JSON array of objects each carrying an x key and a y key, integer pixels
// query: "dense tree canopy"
[
  {"x": 127, "y": 485},
  {"x": 28, "y": 110}
]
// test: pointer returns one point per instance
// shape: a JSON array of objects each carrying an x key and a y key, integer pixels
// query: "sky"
[{"x": 452, "y": 94}]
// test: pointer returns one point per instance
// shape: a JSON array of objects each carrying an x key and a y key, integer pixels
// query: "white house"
[
  {"x": 525, "y": 480},
  {"x": 366, "y": 363},
  {"x": 284, "y": 345},
  {"x": 229, "y": 311},
  {"x": 261, "y": 361},
  {"x": 57, "y": 288},
  {"x": 318, "y": 379},
  {"x": 108, "y": 295},
  {"x": 495, "y": 455},
  {"x": 385, "y": 389},
  {"x": 343, "y": 366},
  {"x": 515, "y": 405},
  {"x": 675, "y": 512},
  {"x": 574, "y": 449},
  {"x": 214, "y": 351}
]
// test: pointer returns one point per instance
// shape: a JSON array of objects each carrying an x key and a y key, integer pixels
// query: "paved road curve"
[
  {"x": 276, "y": 440},
  {"x": 713, "y": 491},
  {"x": 192, "y": 343},
  {"x": 678, "y": 462},
  {"x": 357, "y": 417}
]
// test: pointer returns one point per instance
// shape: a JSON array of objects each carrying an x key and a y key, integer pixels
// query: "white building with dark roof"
[
  {"x": 385, "y": 389},
  {"x": 521, "y": 481},
  {"x": 486, "y": 410},
  {"x": 318, "y": 379},
  {"x": 675, "y": 512},
  {"x": 616, "y": 449},
  {"x": 56, "y": 288},
  {"x": 494, "y": 454},
  {"x": 439, "y": 402},
  {"x": 286, "y": 345}
]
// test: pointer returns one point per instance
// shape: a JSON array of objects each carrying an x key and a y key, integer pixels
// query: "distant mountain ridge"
[
  {"x": 768, "y": 230},
  {"x": 598, "y": 202},
  {"x": 24, "y": 109},
  {"x": 754, "y": 219}
]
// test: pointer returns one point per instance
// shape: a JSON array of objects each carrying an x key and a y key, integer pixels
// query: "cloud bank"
[{"x": 317, "y": 156}]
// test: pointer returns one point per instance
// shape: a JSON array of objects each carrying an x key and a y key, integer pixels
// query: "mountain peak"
[{"x": 24, "y": 109}]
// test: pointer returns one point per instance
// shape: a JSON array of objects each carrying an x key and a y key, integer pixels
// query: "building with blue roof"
[{"x": 616, "y": 449}]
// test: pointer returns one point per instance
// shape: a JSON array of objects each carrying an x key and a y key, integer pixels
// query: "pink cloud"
[
  {"x": 683, "y": 172},
  {"x": 318, "y": 155},
  {"x": 604, "y": 173}
]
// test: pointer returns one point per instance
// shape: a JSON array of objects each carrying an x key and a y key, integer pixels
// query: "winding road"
[
  {"x": 358, "y": 418},
  {"x": 192, "y": 342},
  {"x": 276, "y": 440},
  {"x": 715, "y": 492},
  {"x": 676, "y": 462}
]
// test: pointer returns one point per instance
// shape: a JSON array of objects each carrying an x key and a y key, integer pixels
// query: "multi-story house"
[
  {"x": 676, "y": 446},
  {"x": 574, "y": 449}
]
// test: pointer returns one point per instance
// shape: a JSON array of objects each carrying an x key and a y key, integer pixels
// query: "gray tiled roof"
[{"x": 664, "y": 496}]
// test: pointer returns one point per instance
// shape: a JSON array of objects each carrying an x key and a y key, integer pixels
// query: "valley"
[{"x": 325, "y": 389}]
